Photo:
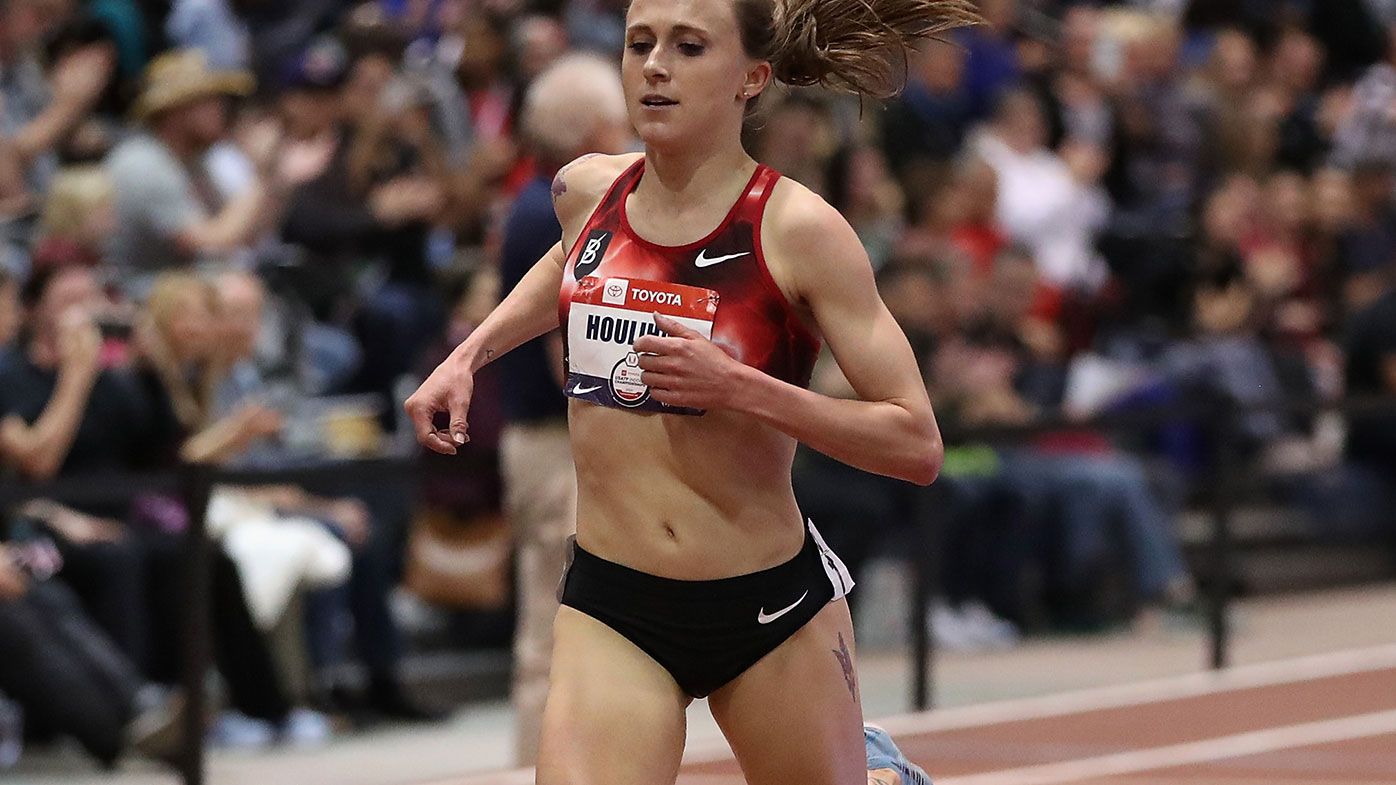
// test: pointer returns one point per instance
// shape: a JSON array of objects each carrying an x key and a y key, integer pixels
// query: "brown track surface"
[{"x": 1002, "y": 746}]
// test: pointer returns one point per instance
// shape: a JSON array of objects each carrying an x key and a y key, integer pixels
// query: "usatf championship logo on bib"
[{"x": 606, "y": 318}]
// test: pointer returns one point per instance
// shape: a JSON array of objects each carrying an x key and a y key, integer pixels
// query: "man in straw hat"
[{"x": 170, "y": 213}]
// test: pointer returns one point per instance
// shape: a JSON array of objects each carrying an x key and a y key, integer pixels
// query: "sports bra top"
[{"x": 754, "y": 321}]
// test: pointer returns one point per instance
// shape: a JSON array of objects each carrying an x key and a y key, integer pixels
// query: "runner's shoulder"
[
  {"x": 799, "y": 224},
  {"x": 579, "y": 186}
]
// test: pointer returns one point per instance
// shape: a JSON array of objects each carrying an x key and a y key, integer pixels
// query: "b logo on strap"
[{"x": 592, "y": 252}]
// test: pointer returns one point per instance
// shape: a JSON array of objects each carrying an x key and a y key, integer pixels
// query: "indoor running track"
[{"x": 1328, "y": 719}]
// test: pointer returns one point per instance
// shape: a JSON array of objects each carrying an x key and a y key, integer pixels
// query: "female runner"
[{"x": 693, "y": 285}]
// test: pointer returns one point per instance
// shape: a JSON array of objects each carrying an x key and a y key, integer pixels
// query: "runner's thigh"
[
  {"x": 794, "y": 716},
  {"x": 614, "y": 716}
]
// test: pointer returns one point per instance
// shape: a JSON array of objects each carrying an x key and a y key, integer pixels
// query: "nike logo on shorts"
[
  {"x": 703, "y": 260},
  {"x": 766, "y": 618},
  {"x": 580, "y": 390}
]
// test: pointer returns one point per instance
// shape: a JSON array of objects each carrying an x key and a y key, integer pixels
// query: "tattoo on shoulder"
[
  {"x": 560, "y": 181},
  {"x": 846, "y": 662}
]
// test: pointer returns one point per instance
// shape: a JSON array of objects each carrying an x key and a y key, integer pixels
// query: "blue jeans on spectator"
[
  {"x": 1353, "y": 501},
  {"x": 1093, "y": 499}
]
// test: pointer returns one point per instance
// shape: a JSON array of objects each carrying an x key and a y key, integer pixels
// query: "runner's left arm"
[{"x": 891, "y": 430}]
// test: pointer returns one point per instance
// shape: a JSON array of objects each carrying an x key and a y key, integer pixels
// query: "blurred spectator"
[
  {"x": 65, "y": 415},
  {"x": 1367, "y": 133},
  {"x": 1050, "y": 203},
  {"x": 37, "y": 108},
  {"x": 925, "y": 126},
  {"x": 1086, "y": 111},
  {"x": 213, "y": 28},
  {"x": 239, "y": 307},
  {"x": 574, "y": 107},
  {"x": 77, "y": 217},
  {"x": 1370, "y": 244},
  {"x": 798, "y": 138},
  {"x": 1163, "y": 160},
  {"x": 991, "y": 56},
  {"x": 872, "y": 203},
  {"x": 1239, "y": 111},
  {"x": 1296, "y": 66},
  {"x": 169, "y": 213},
  {"x": 372, "y": 202},
  {"x": 66, "y": 674},
  {"x": 539, "y": 41},
  {"x": 1229, "y": 360}
]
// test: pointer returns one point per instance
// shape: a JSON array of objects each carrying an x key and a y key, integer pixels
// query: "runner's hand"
[
  {"x": 686, "y": 369},
  {"x": 447, "y": 390}
]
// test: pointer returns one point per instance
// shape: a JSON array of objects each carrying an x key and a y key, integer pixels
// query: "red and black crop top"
[{"x": 754, "y": 321}]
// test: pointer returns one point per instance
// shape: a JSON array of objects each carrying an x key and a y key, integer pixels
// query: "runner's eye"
[
  {"x": 640, "y": 47},
  {"x": 692, "y": 49}
]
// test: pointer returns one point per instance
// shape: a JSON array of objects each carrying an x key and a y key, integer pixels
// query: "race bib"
[{"x": 606, "y": 317}]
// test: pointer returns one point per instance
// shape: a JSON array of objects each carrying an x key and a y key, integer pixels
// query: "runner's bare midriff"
[{"x": 694, "y": 498}]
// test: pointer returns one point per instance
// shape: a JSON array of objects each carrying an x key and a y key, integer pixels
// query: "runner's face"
[{"x": 684, "y": 69}]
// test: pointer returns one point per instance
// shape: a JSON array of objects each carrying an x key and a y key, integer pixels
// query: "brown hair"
[{"x": 858, "y": 46}]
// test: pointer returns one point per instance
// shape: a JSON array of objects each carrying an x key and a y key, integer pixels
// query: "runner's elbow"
[
  {"x": 924, "y": 454},
  {"x": 932, "y": 450}
]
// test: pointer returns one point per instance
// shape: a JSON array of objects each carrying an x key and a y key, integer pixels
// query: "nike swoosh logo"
[
  {"x": 580, "y": 390},
  {"x": 766, "y": 618},
  {"x": 705, "y": 261}
]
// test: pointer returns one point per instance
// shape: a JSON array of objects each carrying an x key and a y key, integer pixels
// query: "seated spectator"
[
  {"x": 1050, "y": 204},
  {"x": 39, "y": 109},
  {"x": 169, "y": 215},
  {"x": 374, "y": 203},
  {"x": 66, "y": 415},
  {"x": 1355, "y": 500},
  {"x": 77, "y": 217},
  {"x": 1367, "y": 131},
  {"x": 924, "y": 127},
  {"x": 67, "y": 676},
  {"x": 239, "y": 303},
  {"x": 1074, "y": 512}
]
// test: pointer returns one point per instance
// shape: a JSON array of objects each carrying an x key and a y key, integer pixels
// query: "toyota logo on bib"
[{"x": 615, "y": 291}]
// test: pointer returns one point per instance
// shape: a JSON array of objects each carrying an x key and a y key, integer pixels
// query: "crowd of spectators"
[{"x": 217, "y": 213}]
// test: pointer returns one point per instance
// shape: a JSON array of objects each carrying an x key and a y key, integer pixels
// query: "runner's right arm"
[{"x": 529, "y": 311}]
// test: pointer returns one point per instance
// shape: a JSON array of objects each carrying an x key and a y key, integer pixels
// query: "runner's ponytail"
[{"x": 857, "y": 46}]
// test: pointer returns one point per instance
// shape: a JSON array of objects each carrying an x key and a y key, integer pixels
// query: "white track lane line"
[
  {"x": 1207, "y": 751},
  {"x": 1192, "y": 685}
]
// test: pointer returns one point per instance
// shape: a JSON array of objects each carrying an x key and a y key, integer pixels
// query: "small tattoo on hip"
[{"x": 846, "y": 662}]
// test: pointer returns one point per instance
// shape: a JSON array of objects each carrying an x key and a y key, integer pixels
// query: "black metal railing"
[{"x": 1225, "y": 477}]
